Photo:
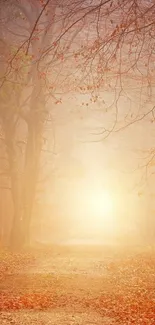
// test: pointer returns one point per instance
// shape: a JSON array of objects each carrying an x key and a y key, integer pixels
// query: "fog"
[{"x": 85, "y": 161}]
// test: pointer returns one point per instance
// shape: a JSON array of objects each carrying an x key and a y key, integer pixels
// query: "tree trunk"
[
  {"x": 32, "y": 164},
  {"x": 29, "y": 186},
  {"x": 24, "y": 182},
  {"x": 15, "y": 237}
]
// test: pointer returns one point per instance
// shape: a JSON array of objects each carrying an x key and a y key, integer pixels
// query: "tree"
[{"x": 22, "y": 185}]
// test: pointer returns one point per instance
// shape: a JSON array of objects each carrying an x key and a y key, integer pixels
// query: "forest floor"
[{"x": 78, "y": 286}]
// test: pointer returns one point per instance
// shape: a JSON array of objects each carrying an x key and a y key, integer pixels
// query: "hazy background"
[{"x": 84, "y": 159}]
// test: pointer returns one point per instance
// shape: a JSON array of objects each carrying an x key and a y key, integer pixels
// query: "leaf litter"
[{"x": 118, "y": 288}]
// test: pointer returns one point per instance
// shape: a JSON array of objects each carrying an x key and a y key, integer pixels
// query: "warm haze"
[{"x": 77, "y": 157}]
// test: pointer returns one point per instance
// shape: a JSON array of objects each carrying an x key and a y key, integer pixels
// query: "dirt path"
[
  {"x": 70, "y": 265},
  {"x": 56, "y": 317}
]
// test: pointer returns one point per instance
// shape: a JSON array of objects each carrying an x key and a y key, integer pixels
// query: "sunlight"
[
  {"x": 94, "y": 211},
  {"x": 99, "y": 209},
  {"x": 101, "y": 204}
]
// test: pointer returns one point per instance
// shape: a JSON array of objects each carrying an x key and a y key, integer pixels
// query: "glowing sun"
[
  {"x": 101, "y": 203},
  {"x": 95, "y": 210}
]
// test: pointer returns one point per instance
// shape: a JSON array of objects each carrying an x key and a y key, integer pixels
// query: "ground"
[{"x": 78, "y": 285}]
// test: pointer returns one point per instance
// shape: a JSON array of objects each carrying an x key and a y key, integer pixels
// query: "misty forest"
[{"x": 77, "y": 162}]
